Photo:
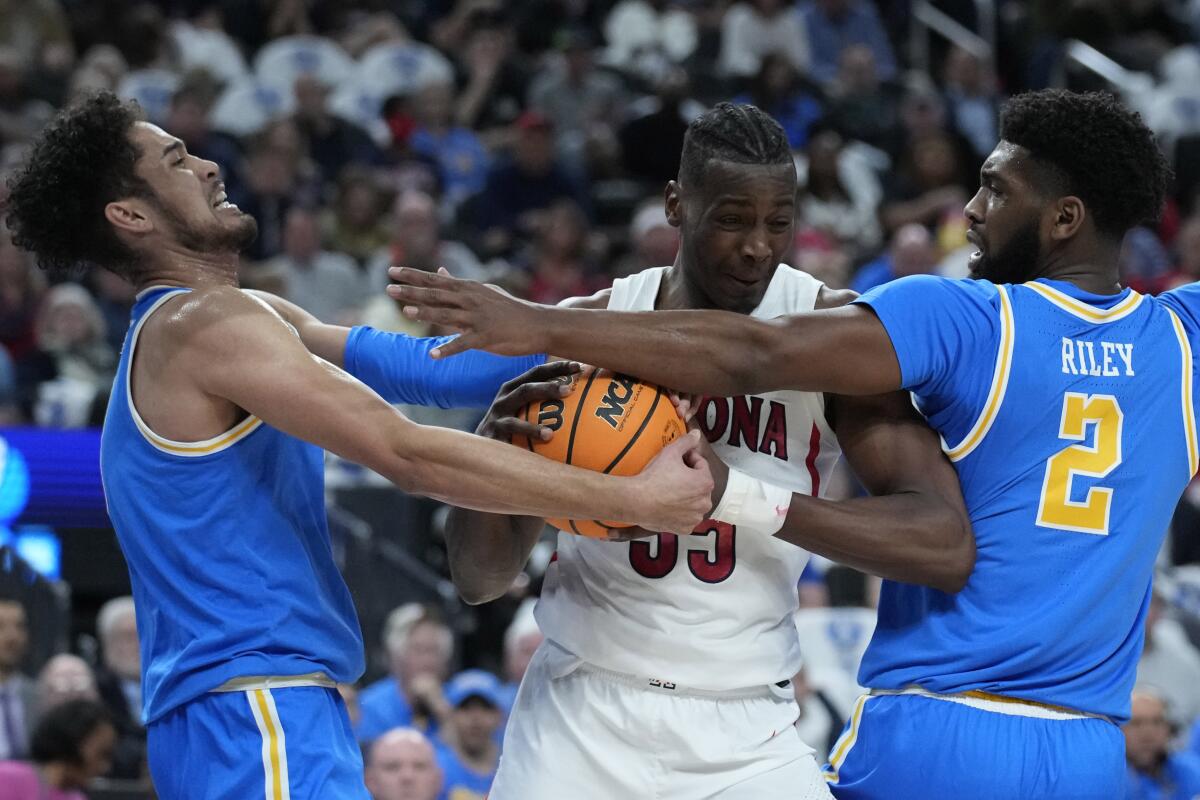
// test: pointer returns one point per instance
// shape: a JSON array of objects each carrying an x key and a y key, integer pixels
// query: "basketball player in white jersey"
[{"x": 666, "y": 668}]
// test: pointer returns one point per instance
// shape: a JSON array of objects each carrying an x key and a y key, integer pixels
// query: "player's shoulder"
[
  {"x": 936, "y": 290},
  {"x": 1183, "y": 300},
  {"x": 597, "y": 300},
  {"x": 214, "y": 316}
]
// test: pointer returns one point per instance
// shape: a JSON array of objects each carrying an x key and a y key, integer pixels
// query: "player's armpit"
[{"x": 915, "y": 527}]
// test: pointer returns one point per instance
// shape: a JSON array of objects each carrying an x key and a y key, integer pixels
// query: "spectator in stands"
[
  {"x": 750, "y": 31},
  {"x": 862, "y": 105},
  {"x": 21, "y": 289},
  {"x": 64, "y": 380},
  {"x": 469, "y": 754},
  {"x": 494, "y": 79},
  {"x": 1155, "y": 772},
  {"x": 328, "y": 285},
  {"x": 401, "y": 766},
  {"x": 71, "y": 746},
  {"x": 354, "y": 226},
  {"x": 517, "y": 190},
  {"x": 557, "y": 264},
  {"x": 63, "y": 678},
  {"x": 1187, "y": 254},
  {"x": 652, "y": 240},
  {"x": 840, "y": 192},
  {"x": 778, "y": 89},
  {"x": 928, "y": 188},
  {"x": 652, "y": 139},
  {"x": 17, "y": 693},
  {"x": 278, "y": 176},
  {"x": 419, "y": 647},
  {"x": 834, "y": 639},
  {"x": 912, "y": 251},
  {"x": 461, "y": 157},
  {"x": 21, "y": 116},
  {"x": 1169, "y": 663},
  {"x": 521, "y": 640},
  {"x": 416, "y": 241},
  {"x": 114, "y": 297},
  {"x": 584, "y": 102},
  {"x": 39, "y": 31},
  {"x": 332, "y": 142},
  {"x": 970, "y": 89},
  {"x": 646, "y": 37},
  {"x": 834, "y": 25},
  {"x": 118, "y": 679}
]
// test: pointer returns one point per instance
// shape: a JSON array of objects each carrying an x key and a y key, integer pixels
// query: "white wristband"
[{"x": 751, "y": 503}]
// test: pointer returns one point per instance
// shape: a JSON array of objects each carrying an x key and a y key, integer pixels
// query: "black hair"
[
  {"x": 83, "y": 160},
  {"x": 742, "y": 134},
  {"x": 60, "y": 732},
  {"x": 1096, "y": 149}
]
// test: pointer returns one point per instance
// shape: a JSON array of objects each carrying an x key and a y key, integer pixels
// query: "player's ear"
[
  {"x": 673, "y": 203},
  {"x": 129, "y": 216},
  {"x": 1069, "y": 216}
]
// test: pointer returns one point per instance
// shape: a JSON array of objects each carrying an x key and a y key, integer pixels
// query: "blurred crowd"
[{"x": 528, "y": 144}]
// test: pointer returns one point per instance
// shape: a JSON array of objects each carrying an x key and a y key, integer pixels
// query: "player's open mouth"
[{"x": 220, "y": 201}]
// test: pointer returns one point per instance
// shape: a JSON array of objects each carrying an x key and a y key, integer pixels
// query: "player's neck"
[
  {"x": 190, "y": 270},
  {"x": 677, "y": 293},
  {"x": 1093, "y": 269}
]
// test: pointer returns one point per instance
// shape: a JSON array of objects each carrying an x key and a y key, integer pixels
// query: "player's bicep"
[
  {"x": 256, "y": 362},
  {"x": 322, "y": 339},
  {"x": 891, "y": 448}
]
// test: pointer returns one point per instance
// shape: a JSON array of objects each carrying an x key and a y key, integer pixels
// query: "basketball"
[{"x": 608, "y": 423}]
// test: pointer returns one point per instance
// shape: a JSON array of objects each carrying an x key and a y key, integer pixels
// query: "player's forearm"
[
  {"x": 399, "y": 369},
  {"x": 486, "y": 475},
  {"x": 488, "y": 551},
  {"x": 720, "y": 353},
  {"x": 908, "y": 537}
]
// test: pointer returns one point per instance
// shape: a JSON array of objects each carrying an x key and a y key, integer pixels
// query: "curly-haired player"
[
  {"x": 212, "y": 463},
  {"x": 1065, "y": 402}
]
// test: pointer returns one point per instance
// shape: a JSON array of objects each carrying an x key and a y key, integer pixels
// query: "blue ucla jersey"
[
  {"x": 1070, "y": 420},
  {"x": 228, "y": 550}
]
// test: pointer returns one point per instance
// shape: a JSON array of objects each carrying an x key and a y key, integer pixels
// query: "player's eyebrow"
[
  {"x": 175, "y": 144},
  {"x": 732, "y": 200}
]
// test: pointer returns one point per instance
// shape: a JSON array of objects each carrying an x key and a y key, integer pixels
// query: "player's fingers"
[
  {"x": 453, "y": 347},
  {"x": 419, "y": 277},
  {"x": 435, "y": 298},
  {"x": 508, "y": 427},
  {"x": 444, "y": 271},
  {"x": 628, "y": 534},
  {"x": 528, "y": 393},
  {"x": 446, "y": 317},
  {"x": 542, "y": 372}
]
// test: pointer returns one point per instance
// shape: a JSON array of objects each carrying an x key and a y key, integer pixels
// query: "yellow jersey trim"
[
  {"x": 846, "y": 743},
  {"x": 995, "y": 398},
  {"x": 1084, "y": 311},
  {"x": 192, "y": 449},
  {"x": 1189, "y": 413}
]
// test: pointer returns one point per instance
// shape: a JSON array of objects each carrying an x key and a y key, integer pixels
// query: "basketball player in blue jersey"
[
  {"x": 212, "y": 463},
  {"x": 1066, "y": 404}
]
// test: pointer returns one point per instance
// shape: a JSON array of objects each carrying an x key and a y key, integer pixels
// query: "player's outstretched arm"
[
  {"x": 243, "y": 352},
  {"x": 397, "y": 366},
  {"x": 914, "y": 528},
  {"x": 844, "y": 350},
  {"x": 488, "y": 551}
]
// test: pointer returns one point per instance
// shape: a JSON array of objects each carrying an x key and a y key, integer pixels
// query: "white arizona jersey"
[{"x": 710, "y": 610}]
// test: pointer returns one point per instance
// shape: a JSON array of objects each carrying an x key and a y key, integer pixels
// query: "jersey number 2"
[
  {"x": 711, "y": 565},
  {"x": 1056, "y": 509}
]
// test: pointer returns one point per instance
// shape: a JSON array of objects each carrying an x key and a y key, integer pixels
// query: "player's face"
[
  {"x": 1005, "y": 219},
  {"x": 190, "y": 206},
  {"x": 736, "y": 229},
  {"x": 14, "y": 634}
]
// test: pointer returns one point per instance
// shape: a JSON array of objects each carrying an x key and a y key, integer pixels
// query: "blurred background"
[{"x": 525, "y": 143}]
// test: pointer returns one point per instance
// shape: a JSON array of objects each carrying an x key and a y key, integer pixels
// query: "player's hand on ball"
[
  {"x": 548, "y": 381},
  {"x": 718, "y": 468},
  {"x": 676, "y": 487},
  {"x": 487, "y": 317}
]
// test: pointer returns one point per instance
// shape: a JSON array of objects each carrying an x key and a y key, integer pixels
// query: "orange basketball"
[{"x": 608, "y": 423}]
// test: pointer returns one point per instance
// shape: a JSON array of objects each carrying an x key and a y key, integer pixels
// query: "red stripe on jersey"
[
  {"x": 814, "y": 450},
  {"x": 554, "y": 557}
]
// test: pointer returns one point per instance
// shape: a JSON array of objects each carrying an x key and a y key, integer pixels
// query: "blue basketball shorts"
[
  {"x": 278, "y": 744},
  {"x": 914, "y": 747}
]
